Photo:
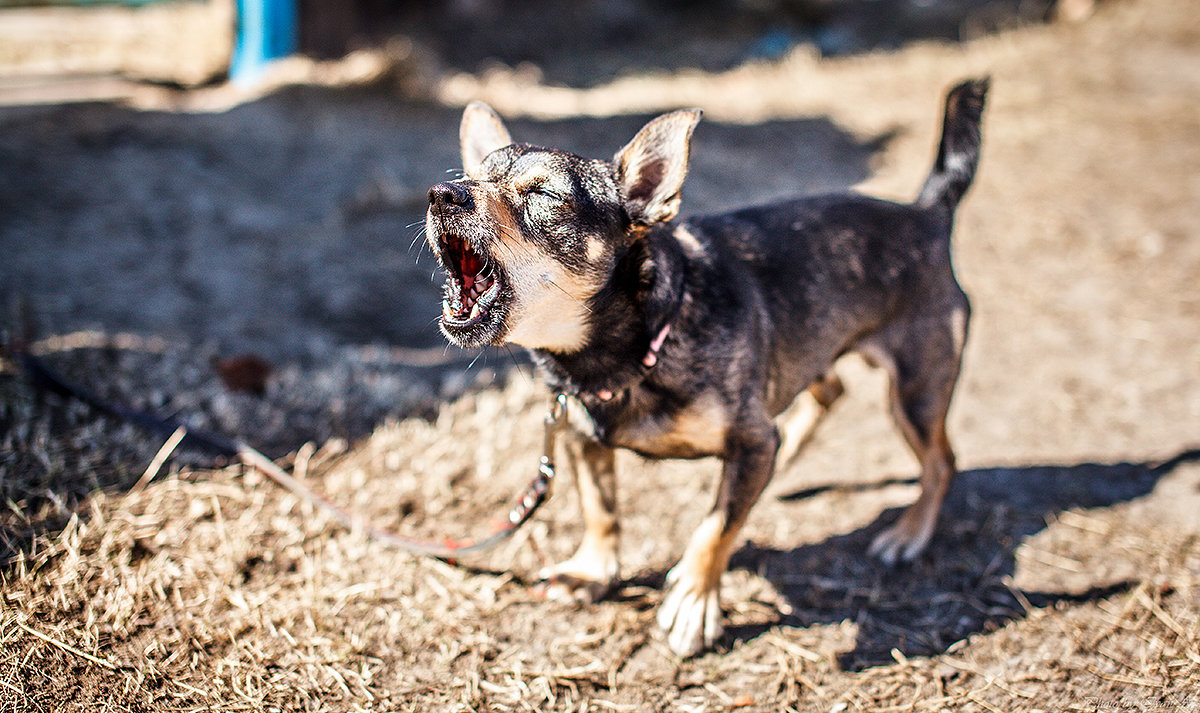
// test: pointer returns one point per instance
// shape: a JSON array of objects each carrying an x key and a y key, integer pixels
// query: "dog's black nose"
[{"x": 450, "y": 196}]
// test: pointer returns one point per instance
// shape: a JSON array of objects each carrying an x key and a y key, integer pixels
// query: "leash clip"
[
  {"x": 539, "y": 488},
  {"x": 555, "y": 421}
]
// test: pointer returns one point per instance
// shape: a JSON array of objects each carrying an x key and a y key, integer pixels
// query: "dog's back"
[{"x": 836, "y": 268}]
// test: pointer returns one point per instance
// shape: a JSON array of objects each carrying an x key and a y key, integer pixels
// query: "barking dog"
[{"x": 686, "y": 339}]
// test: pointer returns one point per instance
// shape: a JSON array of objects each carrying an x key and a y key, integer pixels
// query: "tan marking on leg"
[
  {"x": 707, "y": 553},
  {"x": 800, "y": 419},
  {"x": 906, "y": 539},
  {"x": 958, "y": 330},
  {"x": 909, "y": 536},
  {"x": 798, "y": 423},
  {"x": 690, "y": 614},
  {"x": 691, "y": 611},
  {"x": 596, "y": 480},
  {"x": 589, "y": 573}
]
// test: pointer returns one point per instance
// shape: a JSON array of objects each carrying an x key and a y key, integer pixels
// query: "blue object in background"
[
  {"x": 266, "y": 30},
  {"x": 772, "y": 45}
]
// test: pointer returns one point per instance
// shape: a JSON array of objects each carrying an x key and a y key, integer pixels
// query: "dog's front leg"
[
  {"x": 691, "y": 611},
  {"x": 591, "y": 571}
]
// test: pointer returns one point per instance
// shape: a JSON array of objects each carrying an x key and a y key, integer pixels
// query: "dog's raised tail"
[{"x": 958, "y": 153}]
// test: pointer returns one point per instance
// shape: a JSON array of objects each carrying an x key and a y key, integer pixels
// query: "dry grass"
[{"x": 216, "y": 591}]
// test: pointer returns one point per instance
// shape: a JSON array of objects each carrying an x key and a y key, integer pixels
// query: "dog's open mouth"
[{"x": 473, "y": 284}]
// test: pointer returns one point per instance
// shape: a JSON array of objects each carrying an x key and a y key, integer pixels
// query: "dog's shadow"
[{"x": 963, "y": 584}]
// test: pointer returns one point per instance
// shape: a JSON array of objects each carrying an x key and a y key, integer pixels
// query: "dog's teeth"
[{"x": 488, "y": 297}]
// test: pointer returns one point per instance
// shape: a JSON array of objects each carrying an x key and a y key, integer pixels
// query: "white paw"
[
  {"x": 690, "y": 615},
  {"x": 899, "y": 543},
  {"x": 584, "y": 578}
]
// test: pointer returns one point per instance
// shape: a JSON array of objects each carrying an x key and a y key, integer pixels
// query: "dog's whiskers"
[
  {"x": 481, "y": 353},
  {"x": 516, "y": 364},
  {"x": 420, "y": 234},
  {"x": 575, "y": 299}
]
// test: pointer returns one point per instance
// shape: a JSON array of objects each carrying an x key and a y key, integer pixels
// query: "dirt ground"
[{"x": 146, "y": 238}]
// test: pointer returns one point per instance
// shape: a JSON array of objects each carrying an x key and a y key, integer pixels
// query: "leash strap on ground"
[{"x": 522, "y": 509}]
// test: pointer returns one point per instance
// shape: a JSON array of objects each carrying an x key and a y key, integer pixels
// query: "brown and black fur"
[{"x": 688, "y": 339}]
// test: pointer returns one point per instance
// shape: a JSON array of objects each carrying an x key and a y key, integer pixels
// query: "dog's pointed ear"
[
  {"x": 480, "y": 133},
  {"x": 651, "y": 168}
]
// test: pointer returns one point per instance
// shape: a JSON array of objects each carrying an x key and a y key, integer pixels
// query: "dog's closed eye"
[{"x": 544, "y": 191}]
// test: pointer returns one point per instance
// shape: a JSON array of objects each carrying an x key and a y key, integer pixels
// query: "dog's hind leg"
[
  {"x": 923, "y": 364},
  {"x": 691, "y": 612},
  {"x": 799, "y": 421},
  {"x": 589, "y": 574}
]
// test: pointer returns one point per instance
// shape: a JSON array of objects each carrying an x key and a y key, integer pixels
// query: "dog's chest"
[{"x": 642, "y": 424}]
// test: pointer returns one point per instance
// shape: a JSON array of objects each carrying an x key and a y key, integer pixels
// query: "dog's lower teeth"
[
  {"x": 471, "y": 298},
  {"x": 489, "y": 295}
]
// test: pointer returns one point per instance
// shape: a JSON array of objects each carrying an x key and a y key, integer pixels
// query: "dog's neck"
[{"x": 630, "y": 320}]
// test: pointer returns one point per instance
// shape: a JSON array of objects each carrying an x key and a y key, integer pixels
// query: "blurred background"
[
  {"x": 248, "y": 178},
  {"x": 188, "y": 188},
  {"x": 192, "y": 189},
  {"x": 582, "y": 43}
]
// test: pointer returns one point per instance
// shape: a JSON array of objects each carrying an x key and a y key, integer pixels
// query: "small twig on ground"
[
  {"x": 1161, "y": 614},
  {"x": 67, "y": 647},
  {"x": 159, "y": 459}
]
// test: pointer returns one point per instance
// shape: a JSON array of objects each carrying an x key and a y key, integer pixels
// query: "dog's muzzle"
[
  {"x": 449, "y": 197},
  {"x": 473, "y": 283}
]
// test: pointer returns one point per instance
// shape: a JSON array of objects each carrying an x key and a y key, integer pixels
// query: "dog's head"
[{"x": 530, "y": 235}]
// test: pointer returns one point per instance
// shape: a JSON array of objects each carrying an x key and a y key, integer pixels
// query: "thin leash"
[{"x": 522, "y": 509}]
